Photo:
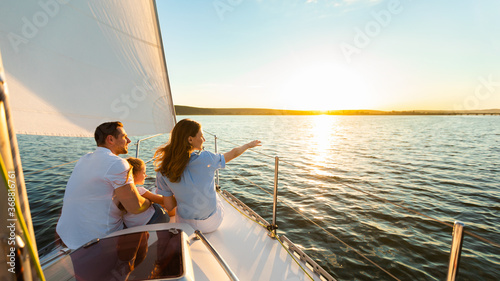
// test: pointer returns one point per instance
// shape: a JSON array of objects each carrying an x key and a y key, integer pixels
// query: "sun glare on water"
[{"x": 323, "y": 140}]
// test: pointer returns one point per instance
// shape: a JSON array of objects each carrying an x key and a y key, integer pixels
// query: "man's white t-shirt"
[{"x": 88, "y": 209}]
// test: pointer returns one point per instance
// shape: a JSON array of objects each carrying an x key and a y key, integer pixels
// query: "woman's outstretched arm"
[{"x": 237, "y": 151}]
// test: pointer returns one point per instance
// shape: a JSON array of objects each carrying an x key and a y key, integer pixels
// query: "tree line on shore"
[{"x": 189, "y": 110}]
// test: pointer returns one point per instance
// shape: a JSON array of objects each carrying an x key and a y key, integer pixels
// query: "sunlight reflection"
[
  {"x": 308, "y": 210},
  {"x": 323, "y": 136}
]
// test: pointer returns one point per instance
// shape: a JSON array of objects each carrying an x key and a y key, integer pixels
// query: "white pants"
[{"x": 209, "y": 224}]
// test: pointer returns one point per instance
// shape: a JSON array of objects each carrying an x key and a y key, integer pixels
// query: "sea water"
[{"x": 351, "y": 188}]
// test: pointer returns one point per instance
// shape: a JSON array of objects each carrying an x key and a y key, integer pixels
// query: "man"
[{"x": 99, "y": 181}]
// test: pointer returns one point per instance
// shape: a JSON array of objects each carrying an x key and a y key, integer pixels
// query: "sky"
[{"x": 331, "y": 55}]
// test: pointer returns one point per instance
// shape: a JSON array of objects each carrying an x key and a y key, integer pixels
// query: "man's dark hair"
[{"x": 106, "y": 129}]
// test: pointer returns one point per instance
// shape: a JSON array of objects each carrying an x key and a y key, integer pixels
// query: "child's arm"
[
  {"x": 153, "y": 197},
  {"x": 158, "y": 199},
  {"x": 172, "y": 212}
]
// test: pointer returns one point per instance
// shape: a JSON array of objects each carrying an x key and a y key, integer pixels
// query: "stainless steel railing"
[
  {"x": 217, "y": 171},
  {"x": 138, "y": 144},
  {"x": 456, "y": 250},
  {"x": 457, "y": 230},
  {"x": 273, "y": 226}
]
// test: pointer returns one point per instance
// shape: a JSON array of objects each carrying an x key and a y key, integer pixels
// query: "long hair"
[
  {"x": 172, "y": 158},
  {"x": 136, "y": 164}
]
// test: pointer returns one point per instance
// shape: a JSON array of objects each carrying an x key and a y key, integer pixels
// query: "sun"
[{"x": 324, "y": 86}]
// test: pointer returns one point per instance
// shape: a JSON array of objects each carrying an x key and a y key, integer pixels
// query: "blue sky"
[{"x": 344, "y": 54}]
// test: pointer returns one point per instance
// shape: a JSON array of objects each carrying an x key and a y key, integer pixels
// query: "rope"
[
  {"x": 146, "y": 162},
  {"x": 258, "y": 152},
  {"x": 237, "y": 209},
  {"x": 293, "y": 257},
  {"x": 24, "y": 227},
  {"x": 418, "y": 213},
  {"x": 338, "y": 239},
  {"x": 322, "y": 228},
  {"x": 249, "y": 181},
  {"x": 482, "y": 239},
  {"x": 380, "y": 198},
  {"x": 35, "y": 172},
  {"x": 50, "y": 168}
]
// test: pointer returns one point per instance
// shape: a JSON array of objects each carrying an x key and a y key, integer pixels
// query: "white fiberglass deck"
[
  {"x": 244, "y": 245},
  {"x": 248, "y": 250}
]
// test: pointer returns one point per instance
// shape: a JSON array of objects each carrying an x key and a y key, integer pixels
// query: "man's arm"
[
  {"x": 235, "y": 152},
  {"x": 131, "y": 200}
]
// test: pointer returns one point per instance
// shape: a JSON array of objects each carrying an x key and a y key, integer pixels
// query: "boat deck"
[
  {"x": 243, "y": 244},
  {"x": 249, "y": 251}
]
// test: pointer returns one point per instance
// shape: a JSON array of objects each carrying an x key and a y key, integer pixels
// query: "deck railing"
[
  {"x": 456, "y": 250},
  {"x": 138, "y": 144},
  {"x": 458, "y": 229},
  {"x": 274, "y": 225},
  {"x": 217, "y": 256},
  {"x": 457, "y": 238}
]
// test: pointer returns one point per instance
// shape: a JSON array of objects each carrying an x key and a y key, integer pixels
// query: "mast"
[
  {"x": 162, "y": 55},
  {"x": 17, "y": 236}
]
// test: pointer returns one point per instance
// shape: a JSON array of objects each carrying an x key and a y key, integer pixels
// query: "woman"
[{"x": 185, "y": 170}]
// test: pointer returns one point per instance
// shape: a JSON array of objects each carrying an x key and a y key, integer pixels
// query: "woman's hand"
[
  {"x": 254, "y": 143},
  {"x": 235, "y": 152}
]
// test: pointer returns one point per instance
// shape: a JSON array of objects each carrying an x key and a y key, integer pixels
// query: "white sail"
[{"x": 72, "y": 64}]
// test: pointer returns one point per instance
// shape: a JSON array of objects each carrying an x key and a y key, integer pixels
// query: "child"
[
  {"x": 139, "y": 173},
  {"x": 138, "y": 170}
]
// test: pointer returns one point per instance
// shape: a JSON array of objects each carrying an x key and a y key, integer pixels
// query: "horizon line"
[{"x": 337, "y": 110}]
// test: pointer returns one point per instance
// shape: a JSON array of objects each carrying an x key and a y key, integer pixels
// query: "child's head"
[{"x": 138, "y": 170}]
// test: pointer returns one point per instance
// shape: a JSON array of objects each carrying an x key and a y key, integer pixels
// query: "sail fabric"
[{"x": 72, "y": 65}]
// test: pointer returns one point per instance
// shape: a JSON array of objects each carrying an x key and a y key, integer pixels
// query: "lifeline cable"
[
  {"x": 293, "y": 257},
  {"x": 385, "y": 200},
  {"x": 27, "y": 174},
  {"x": 329, "y": 233}
]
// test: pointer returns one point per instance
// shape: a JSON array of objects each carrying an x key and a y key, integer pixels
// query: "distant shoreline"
[{"x": 189, "y": 110}]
